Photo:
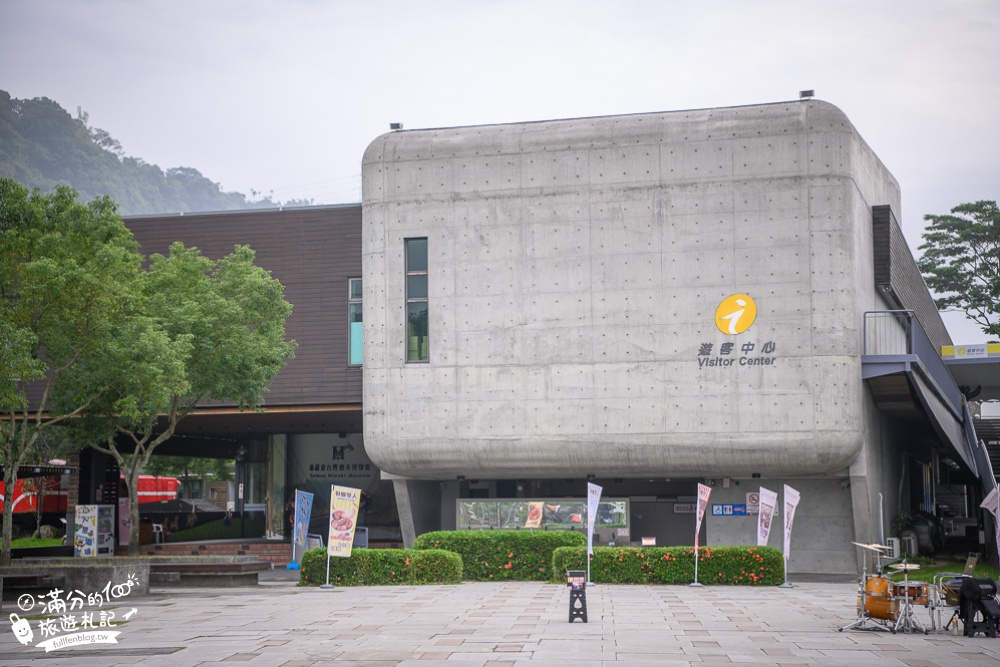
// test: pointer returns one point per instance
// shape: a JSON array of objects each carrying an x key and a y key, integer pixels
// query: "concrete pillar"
[
  {"x": 861, "y": 507},
  {"x": 418, "y": 503}
]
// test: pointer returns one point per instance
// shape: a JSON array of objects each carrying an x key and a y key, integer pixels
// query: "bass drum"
[{"x": 886, "y": 609}]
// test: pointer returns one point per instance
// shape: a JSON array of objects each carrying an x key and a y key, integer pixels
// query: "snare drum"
[
  {"x": 884, "y": 608},
  {"x": 918, "y": 592},
  {"x": 878, "y": 586}
]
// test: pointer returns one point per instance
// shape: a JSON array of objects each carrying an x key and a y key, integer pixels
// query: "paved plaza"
[{"x": 500, "y": 624}]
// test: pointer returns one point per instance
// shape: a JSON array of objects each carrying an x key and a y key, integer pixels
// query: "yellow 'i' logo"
[{"x": 735, "y": 314}]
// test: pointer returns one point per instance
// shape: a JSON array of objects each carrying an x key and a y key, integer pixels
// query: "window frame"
[
  {"x": 351, "y": 302},
  {"x": 409, "y": 300}
]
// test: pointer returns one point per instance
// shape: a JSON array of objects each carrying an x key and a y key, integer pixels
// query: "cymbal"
[
  {"x": 905, "y": 566},
  {"x": 871, "y": 547}
]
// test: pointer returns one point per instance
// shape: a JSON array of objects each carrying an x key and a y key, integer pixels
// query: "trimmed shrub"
[
  {"x": 382, "y": 567},
  {"x": 503, "y": 555},
  {"x": 745, "y": 566}
]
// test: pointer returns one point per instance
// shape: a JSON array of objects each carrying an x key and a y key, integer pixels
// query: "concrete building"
[
  {"x": 649, "y": 302},
  {"x": 652, "y": 301}
]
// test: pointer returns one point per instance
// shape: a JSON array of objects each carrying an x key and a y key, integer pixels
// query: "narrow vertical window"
[
  {"x": 355, "y": 349},
  {"x": 416, "y": 300}
]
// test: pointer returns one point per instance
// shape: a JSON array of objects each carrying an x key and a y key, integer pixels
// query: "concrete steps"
[{"x": 275, "y": 552}]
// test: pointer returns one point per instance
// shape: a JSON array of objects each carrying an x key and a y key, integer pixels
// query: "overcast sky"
[{"x": 283, "y": 97}]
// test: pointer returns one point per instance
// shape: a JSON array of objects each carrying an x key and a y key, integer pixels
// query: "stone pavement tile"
[{"x": 979, "y": 657}]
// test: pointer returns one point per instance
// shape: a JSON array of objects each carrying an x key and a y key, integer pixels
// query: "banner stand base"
[
  {"x": 786, "y": 585},
  {"x": 695, "y": 584},
  {"x": 327, "y": 586},
  {"x": 292, "y": 566}
]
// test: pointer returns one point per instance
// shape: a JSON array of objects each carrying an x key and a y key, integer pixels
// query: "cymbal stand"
[
  {"x": 907, "y": 619},
  {"x": 864, "y": 622}
]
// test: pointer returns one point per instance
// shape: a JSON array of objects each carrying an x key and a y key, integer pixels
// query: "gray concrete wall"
[
  {"x": 822, "y": 530},
  {"x": 575, "y": 269}
]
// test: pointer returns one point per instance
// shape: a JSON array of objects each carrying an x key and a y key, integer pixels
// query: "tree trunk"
[
  {"x": 39, "y": 499},
  {"x": 9, "y": 480},
  {"x": 132, "y": 481}
]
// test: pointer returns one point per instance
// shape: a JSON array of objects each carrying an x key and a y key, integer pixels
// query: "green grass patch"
[
  {"x": 926, "y": 573},
  {"x": 218, "y": 530},
  {"x": 32, "y": 542}
]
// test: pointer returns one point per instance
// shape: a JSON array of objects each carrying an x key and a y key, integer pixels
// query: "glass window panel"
[
  {"x": 416, "y": 255},
  {"x": 564, "y": 514},
  {"x": 355, "y": 349},
  {"x": 357, "y": 345},
  {"x": 416, "y": 332},
  {"x": 416, "y": 287}
]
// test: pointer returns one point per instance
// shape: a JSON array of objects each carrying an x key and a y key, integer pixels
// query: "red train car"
[{"x": 54, "y": 493}]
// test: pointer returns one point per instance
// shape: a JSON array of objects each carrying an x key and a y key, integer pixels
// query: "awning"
[
  {"x": 26, "y": 471},
  {"x": 949, "y": 429}
]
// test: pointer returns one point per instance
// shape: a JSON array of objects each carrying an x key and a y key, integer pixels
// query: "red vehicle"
[
  {"x": 154, "y": 489},
  {"x": 26, "y": 495},
  {"x": 54, "y": 493}
]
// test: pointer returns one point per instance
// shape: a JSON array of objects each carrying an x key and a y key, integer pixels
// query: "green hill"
[{"x": 42, "y": 145}]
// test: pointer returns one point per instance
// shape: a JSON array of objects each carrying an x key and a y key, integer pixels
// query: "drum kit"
[{"x": 884, "y": 604}]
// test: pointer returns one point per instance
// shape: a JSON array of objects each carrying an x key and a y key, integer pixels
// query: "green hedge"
[
  {"x": 753, "y": 566},
  {"x": 382, "y": 567},
  {"x": 503, "y": 555}
]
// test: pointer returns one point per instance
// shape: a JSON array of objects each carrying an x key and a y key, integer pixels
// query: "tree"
[
  {"x": 188, "y": 467},
  {"x": 204, "y": 331},
  {"x": 41, "y": 144},
  {"x": 961, "y": 262},
  {"x": 66, "y": 274},
  {"x": 51, "y": 444}
]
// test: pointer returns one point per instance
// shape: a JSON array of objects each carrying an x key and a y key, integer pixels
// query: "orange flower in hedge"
[
  {"x": 508, "y": 565},
  {"x": 407, "y": 561},
  {"x": 510, "y": 555}
]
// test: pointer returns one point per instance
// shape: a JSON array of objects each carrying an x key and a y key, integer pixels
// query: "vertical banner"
[
  {"x": 791, "y": 502},
  {"x": 704, "y": 492},
  {"x": 344, "y": 503},
  {"x": 303, "y": 512},
  {"x": 768, "y": 500},
  {"x": 535, "y": 511},
  {"x": 593, "y": 501},
  {"x": 991, "y": 503}
]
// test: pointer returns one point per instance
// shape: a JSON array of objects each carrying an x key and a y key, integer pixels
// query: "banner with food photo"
[
  {"x": 768, "y": 501},
  {"x": 534, "y": 515},
  {"x": 344, "y": 504},
  {"x": 704, "y": 493},
  {"x": 791, "y": 502},
  {"x": 593, "y": 501}
]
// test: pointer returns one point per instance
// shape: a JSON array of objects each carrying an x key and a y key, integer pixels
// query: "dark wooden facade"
[
  {"x": 899, "y": 279},
  {"x": 313, "y": 252}
]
